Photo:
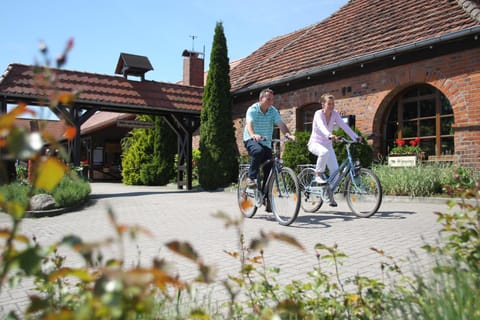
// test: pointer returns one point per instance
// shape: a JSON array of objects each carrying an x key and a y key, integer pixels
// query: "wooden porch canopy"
[{"x": 179, "y": 105}]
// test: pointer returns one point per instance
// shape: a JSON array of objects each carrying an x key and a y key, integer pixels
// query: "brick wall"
[{"x": 456, "y": 75}]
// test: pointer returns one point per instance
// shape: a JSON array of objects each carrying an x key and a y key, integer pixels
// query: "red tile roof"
[
  {"x": 106, "y": 91},
  {"x": 56, "y": 128},
  {"x": 360, "y": 28},
  {"x": 103, "y": 119}
]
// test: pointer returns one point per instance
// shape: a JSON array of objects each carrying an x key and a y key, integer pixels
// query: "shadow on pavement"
[
  {"x": 136, "y": 194},
  {"x": 321, "y": 218},
  {"x": 392, "y": 214}
]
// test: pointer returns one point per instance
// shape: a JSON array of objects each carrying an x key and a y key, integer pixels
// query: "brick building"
[{"x": 404, "y": 69}]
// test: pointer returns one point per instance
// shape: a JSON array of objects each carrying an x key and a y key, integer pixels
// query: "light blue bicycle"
[{"x": 361, "y": 187}]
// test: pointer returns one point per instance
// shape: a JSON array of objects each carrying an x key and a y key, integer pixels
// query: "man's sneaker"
[
  {"x": 268, "y": 206},
  {"x": 251, "y": 183},
  {"x": 332, "y": 202}
]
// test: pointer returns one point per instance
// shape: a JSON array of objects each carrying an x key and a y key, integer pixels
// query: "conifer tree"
[
  {"x": 218, "y": 164},
  {"x": 149, "y": 154}
]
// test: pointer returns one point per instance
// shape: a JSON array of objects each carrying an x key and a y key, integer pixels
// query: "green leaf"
[{"x": 30, "y": 260}]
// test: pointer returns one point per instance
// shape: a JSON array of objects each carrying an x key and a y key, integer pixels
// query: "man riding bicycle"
[{"x": 261, "y": 117}]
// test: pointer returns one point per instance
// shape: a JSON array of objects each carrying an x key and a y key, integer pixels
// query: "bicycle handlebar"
[
  {"x": 342, "y": 139},
  {"x": 276, "y": 140}
]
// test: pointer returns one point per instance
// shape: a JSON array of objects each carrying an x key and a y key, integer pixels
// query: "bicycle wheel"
[
  {"x": 308, "y": 201},
  {"x": 284, "y": 195},
  {"x": 363, "y": 193},
  {"x": 245, "y": 196}
]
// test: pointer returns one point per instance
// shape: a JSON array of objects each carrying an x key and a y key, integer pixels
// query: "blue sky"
[{"x": 160, "y": 30}]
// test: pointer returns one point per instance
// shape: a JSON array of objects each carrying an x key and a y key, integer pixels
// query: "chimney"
[{"x": 193, "y": 68}]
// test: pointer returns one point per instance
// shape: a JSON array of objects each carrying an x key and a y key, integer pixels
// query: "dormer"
[{"x": 133, "y": 65}]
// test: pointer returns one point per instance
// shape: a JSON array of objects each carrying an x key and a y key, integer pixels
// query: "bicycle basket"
[
  {"x": 357, "y": 167},
  {"x": 244, "y": 167}
]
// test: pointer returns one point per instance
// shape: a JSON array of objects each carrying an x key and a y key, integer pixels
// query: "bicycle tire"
[
  {"x": 308, "y": 201},
  {"x": 245, "y": 196},
  {"x": 364, "y": 193},
  {"x": 284, "y": 195}
]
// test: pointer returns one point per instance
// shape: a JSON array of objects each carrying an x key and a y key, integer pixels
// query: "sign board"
[
  {"x": 134, "y": 124},
  {"x": 402, "y": 161},
  {"x": 349, "y": 119}
]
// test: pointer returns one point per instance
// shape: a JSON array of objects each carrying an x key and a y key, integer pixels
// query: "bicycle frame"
[
  {"x": 262, "y": 186},
  {"x": 337, "y": 176}
]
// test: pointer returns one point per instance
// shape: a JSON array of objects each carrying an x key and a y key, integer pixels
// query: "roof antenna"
[{"x": 193, "y": 42}]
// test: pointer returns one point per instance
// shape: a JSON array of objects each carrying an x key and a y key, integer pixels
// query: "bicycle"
[
  {"x": 362, "y": 188},
  {"x": 280, "y": 191}
]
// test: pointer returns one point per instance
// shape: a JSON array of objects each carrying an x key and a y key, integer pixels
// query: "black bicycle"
[
  {"x": 279, "y": 192},
  {"x": 361, "y": 187}
]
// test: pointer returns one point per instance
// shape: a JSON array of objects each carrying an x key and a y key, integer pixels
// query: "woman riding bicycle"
[
  {"x": 260, "y": 120},
  {"x": 320, "y": 142}
]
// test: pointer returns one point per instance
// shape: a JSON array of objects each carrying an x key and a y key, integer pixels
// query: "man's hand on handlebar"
[{"x": 258, "y": 137}]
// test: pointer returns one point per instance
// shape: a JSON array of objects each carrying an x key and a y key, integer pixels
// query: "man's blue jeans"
[{"x": 259, "y": 154}]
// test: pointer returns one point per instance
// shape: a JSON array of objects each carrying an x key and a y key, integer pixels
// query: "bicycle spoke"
[
  {"x": 284, "y": 196},
  {"x": 245, "y": 196},
  {"x": 309, "y": 202},
  {"x": 364, "y": 193}
]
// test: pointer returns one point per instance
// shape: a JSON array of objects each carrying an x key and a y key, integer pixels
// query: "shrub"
[
  {"x": 16, "y": 192},
  {"x": 71, "y": 191},
  {"x": 296, "y": 152},
  {"x": 148, "y": 154},
  {"x": 423, "y": 180},
  {"x": 360, "y": 151}
]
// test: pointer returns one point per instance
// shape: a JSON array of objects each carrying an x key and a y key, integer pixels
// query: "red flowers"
[
  {"x": 401, "y": 147},
  {"x": 415, "y": 142},
  {"x": 400, "y": 142}
]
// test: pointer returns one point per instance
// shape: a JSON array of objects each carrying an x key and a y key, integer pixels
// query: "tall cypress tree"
[{"x": 218, "y": 164}]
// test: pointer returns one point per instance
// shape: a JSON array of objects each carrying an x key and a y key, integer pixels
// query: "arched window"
[
  {"x": 305, "y": 116},
  {"x": 422, "y": 111}
]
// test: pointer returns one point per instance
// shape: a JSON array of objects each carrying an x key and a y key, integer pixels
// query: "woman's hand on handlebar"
[{"x": 334, "y": 138}]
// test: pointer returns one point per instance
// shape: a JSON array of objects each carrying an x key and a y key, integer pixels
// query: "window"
[
  {"x": 305, "y": 116},
  {"x": 422, "y": 111}
]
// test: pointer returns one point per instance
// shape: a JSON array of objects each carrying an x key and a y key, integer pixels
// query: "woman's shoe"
[{"x": 319, "y": 180}]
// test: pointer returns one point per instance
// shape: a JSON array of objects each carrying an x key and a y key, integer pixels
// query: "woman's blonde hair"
[{"x": 325, "y": 97}]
